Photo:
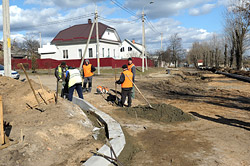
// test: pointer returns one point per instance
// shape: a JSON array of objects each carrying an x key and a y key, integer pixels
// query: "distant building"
[
  {"x": 130, "y": 49},
  {"x": 200, "y": 62},
  {"x": 70, "y": 43},
  {"x": 16, "y": 53}
]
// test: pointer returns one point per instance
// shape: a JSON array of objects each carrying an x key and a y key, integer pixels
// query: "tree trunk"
[
  {"x": 232, "y": 58},
  {"x": 225, "y": 58},
  {"x": 207, "y": 58},
  {"x": 204, "y": 58},
  {"x": 216, "y": 58},
  {"x": 239, "y": 49}
]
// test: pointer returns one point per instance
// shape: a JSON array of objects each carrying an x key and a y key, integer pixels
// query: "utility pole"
[
  {"x": 87, "y": 45},
  {"x": 40, "y": 34},
  {"x": 161, "y": 48},
  {"x": 97, "y": 42},
  {"x": 143, "y": 40},
  {"x": 146, "y": 56},
  {"x": 6, "y": 38}
]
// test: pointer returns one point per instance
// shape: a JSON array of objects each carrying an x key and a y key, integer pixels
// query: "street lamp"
[{"x": 143, "y": 36}]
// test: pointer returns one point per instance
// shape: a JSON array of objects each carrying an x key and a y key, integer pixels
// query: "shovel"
[
  {"x": 140, "y": 92},
  {"x": 116, "y": 99}
]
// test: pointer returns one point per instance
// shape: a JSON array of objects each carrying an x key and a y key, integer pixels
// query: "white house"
[
  {"x": 130, "y": 49},
  {"x": 70, "y": 43}
]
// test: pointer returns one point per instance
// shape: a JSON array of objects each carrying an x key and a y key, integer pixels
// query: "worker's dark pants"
[
  {"x": 87, "y": 80},
  {"x": 78, "y": 88},
  {"x": 126, "y": 92}
]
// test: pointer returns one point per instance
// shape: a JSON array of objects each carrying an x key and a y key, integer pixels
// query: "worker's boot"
[
  {"x": 89, "y": 89},
  {"x": 84, "y": 90}
]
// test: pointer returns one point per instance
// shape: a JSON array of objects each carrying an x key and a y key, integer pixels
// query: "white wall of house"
[
  {"x": 69, "y": 52},
  {"x": 75, "y": 51},
  {"x": 139, "y": 46},
  {"x": 110, "y": 34},
  {"x": 126, "y": 51},
  {"x": 109, "y": 50}
]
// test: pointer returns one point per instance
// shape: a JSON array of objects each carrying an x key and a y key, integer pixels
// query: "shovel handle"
[{"x": 140, "y": 92}]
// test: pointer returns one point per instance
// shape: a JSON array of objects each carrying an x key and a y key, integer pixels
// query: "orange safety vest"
[
  {"x": 127, "y": 83},
  {"x": 87, "y": 70},
  {"x": 130, "y": 67}
]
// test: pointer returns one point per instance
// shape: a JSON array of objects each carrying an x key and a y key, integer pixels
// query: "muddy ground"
[
  {"x": 47, "y": 134},
  {"x": 219, "y": 136}
]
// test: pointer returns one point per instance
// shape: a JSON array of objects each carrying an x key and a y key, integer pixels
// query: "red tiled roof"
[{"x": 79, "y": 32}]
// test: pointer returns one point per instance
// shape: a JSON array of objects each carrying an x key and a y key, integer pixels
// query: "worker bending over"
[
  {"x": 126, "y": 85},
  {"x": 73, "y": 76},
  {"x": 88, "y": 70},
  {"x": 131, "y": 67}
]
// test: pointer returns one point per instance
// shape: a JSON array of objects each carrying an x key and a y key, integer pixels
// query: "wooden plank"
[
  {"x": 1, "y": 121},
  {"x": 30, "y": 83}
]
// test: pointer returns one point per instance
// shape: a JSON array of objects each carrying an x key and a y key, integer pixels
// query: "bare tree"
[
  {"x": 31, "y": 46},
  {"x": 195, "y": 53},
  {"x": 237, "y": 28},
  {"x": 175, "y": 46},
  {"x": 225, "y": 56}
]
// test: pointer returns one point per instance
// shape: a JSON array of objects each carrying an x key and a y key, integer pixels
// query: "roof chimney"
[
  {"x": 133, "y": 41},
  {"x": 89, "y": 21}
]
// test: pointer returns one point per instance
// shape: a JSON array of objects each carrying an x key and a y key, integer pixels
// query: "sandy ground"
[
  {"x": 47, "y": 134},
  {"x": 219, "y": 136}
]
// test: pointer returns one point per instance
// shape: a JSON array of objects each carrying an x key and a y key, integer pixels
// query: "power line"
[
  {"x": 124, "y": 8},
  {"x": 118, "y": 21},
  {"x": 152, "y": 26}
]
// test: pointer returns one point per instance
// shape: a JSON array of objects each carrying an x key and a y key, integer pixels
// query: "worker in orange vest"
[
  {"x": 88, "y": 70},
  {"x": 126, "y": 85},
  {"x": 131, "y": 67}
]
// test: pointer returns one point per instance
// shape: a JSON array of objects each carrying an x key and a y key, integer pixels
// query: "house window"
[
  {"x": 65, "y": 54},
  {"x": 108, "y": 52},
  {"x": 114, "y": 53},
  {"x": 80, "y": 53},
  {"x": 103, "y": 52},
  {"x": 122, "y": 49},
  {"x": 129, "y": 48},
  {"x": 90, "y": 53}
]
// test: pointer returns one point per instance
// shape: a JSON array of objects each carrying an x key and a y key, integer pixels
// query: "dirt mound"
[
  {"x": 178, "y": 85},
  {"x": 239, "y": 72},
  {"x": 19, "y": 95},
  {"x": 160, "y": 113},
  {"x": 61, "y": 135}
]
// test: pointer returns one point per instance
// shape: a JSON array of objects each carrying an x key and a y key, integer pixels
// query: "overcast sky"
[{"x": 194, "y": 20}]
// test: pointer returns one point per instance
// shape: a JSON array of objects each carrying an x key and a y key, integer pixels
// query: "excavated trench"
[{"x": 101, "y": 131}]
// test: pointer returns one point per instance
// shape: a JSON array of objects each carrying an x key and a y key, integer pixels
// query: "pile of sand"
[
  {"x": 160, "y": 113},
  {"x": 61, "y": 135},
  {"x": 19, "y": 95}
]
